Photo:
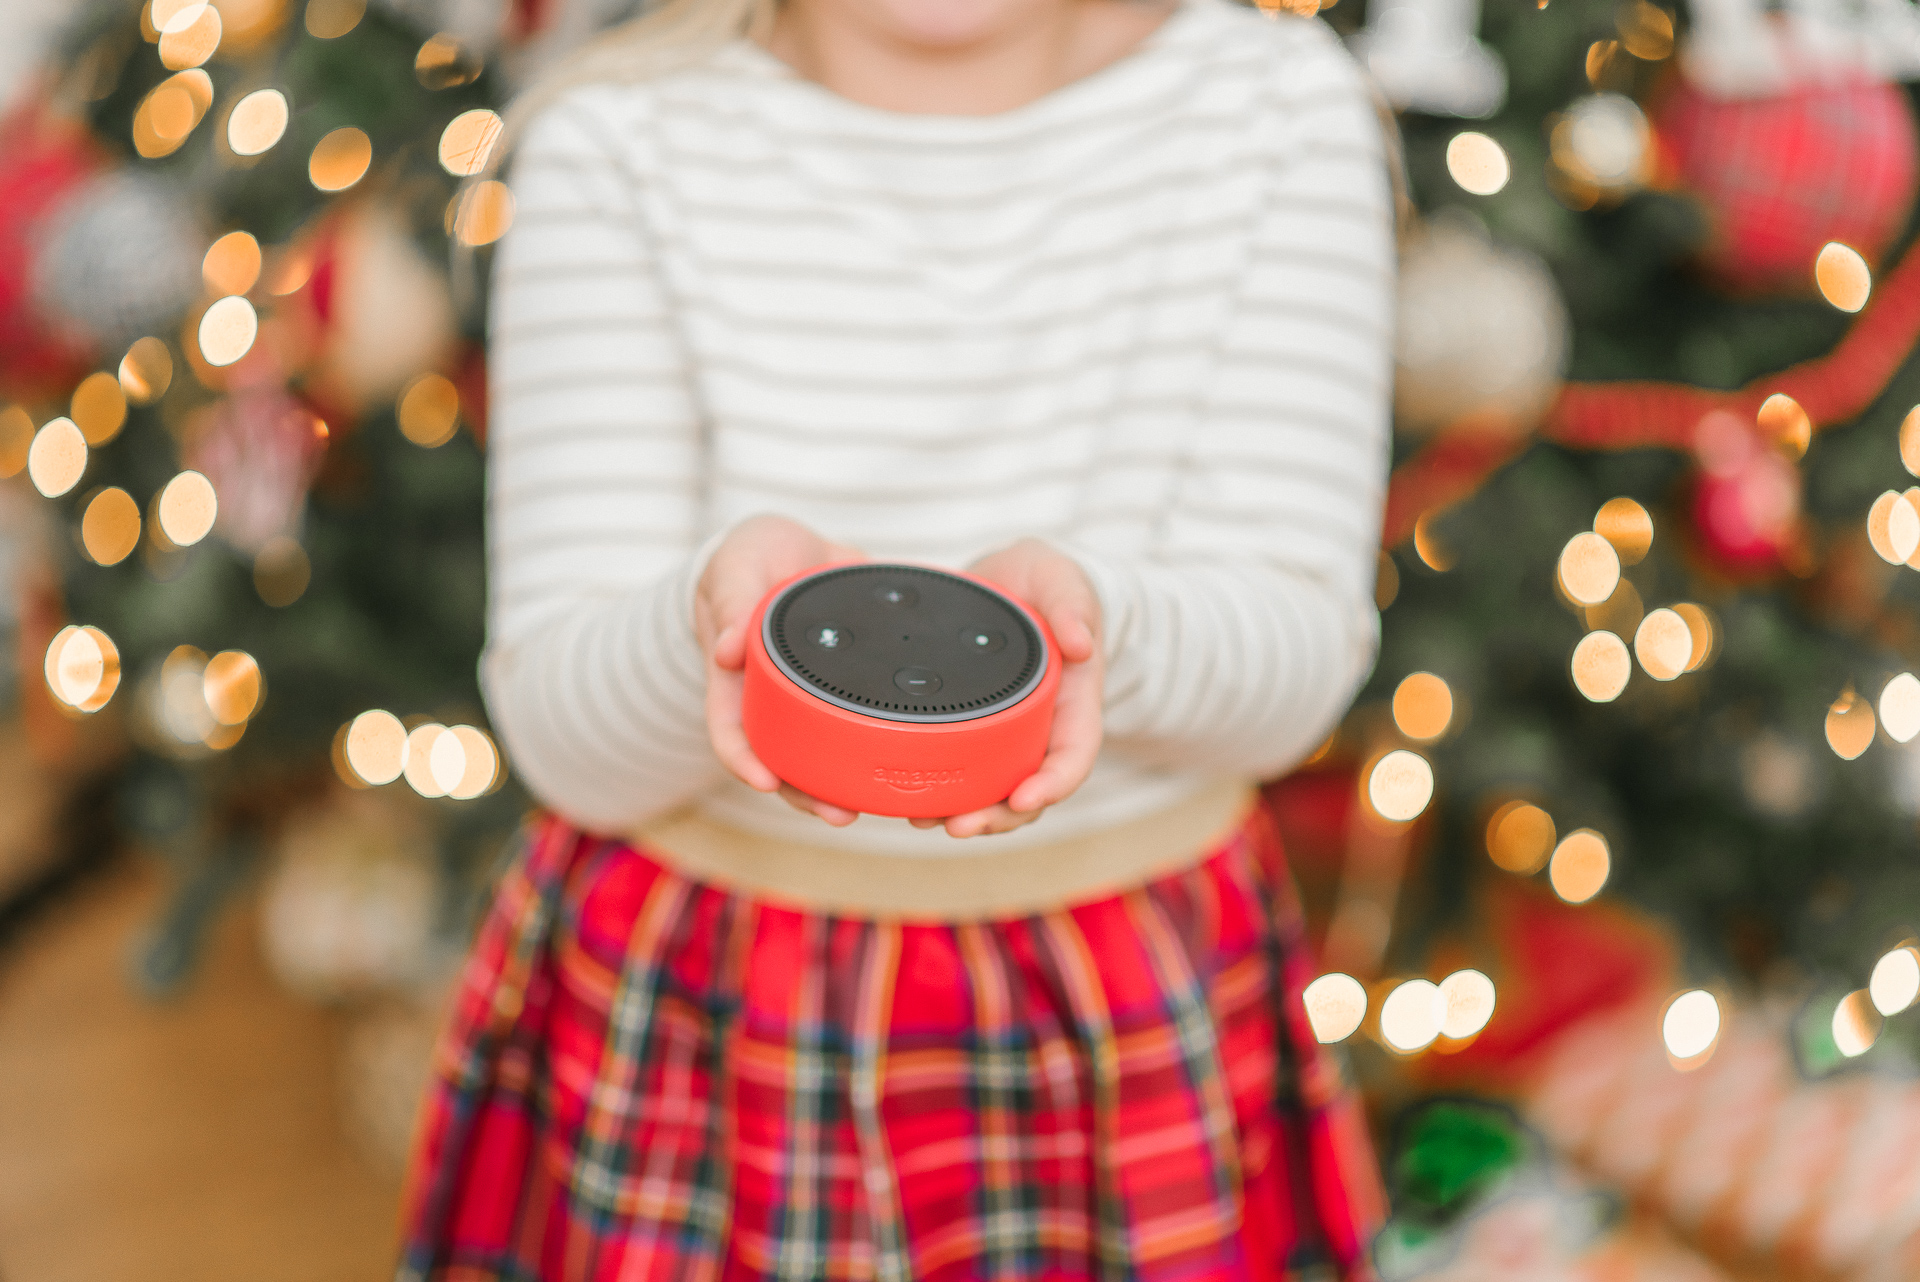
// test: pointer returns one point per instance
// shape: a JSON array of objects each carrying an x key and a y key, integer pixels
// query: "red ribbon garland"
[{"x": 1833, "y": 389}]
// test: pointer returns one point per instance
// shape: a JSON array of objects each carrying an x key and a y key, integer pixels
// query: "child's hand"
[
  {"x": 758, "y": 553},
  {"x": 1056, "y": 588}
]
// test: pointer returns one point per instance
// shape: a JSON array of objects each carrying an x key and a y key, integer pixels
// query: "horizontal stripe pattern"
[{"x": 1146, "y": 317}]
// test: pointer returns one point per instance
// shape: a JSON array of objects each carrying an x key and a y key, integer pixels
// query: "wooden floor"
[{"x": 194, "y": 1140}]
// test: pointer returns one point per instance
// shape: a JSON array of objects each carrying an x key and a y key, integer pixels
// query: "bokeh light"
[
  {"x": 467, "y": 142},
  {"x": 1422, "y": 706},
  {"x": 1856, "y": 1024},
  {"x": 421, "y": 741},
  {"x": 1580, "y": 866},
  {"x": 1663, "y": 644},
  {"x": 1412, "y": 1016},
  {"x": 1893, "y": 528},
  {"x": 170, "y": 111},
  {"x": 1468, "y": 996},
  {"x": 1843, "y": 276},
  {"x": 1910, "y": 441},
  {"x": 331, "y": 19},
  {"x": 110, "y": 528},
  {"x": 1645, "y": 29},
  {"x": 1896, "y": 980},
  {"x": 1603, "y": 140},
  {"x": 1589, "y": 568},
  {"x": 1400, "y": 785},
  {"x": 1691, "y": 1024},
  {"x": 1520, "y": 837},
  {"x": 187, "y": 509},
  {"x": 444, "y": 63},
  {"x": 16, "y": 440},
  {"x": 256, "y": 122},
  {"x": 82, "y": 668},
  {"x": 99, "y": 408},
  {"x": 281, "y": 571},
  {"x": 1478, "y": 163},
  {"x": 1785, "y": 423},
  {"x": 227, "y": 330},
  {"x": 1849, "y": 725},
  {"x": 429, "y": 410},
  {"x": 57, "y": 458},
  {"x": 1601, "y": 666},
  {"x": 180, "y": 698},
  {"x": 232, "y": 264},
  {"x": 1900, "y": 707},
  {"x": 1627, "y": 526},
  {"x": 146, "y": 371},
  {"x": 479, "y": 763},
  {"x": 1336, "y": 1005},
  {"x": 340, "y": 159},
  {"x": 481, "y": 213},
  {"x": 1701, "y": 627},
  {"x": 376, "y": 747},
  {"x": 1619, "y": 614},
  {"x": 190, "y": 37},
  {"x": 231, "y": 686}
]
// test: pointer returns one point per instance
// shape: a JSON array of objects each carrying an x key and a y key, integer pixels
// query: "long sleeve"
[
  {"x": 1238, "y": 639},
  {"x": 592, "y": 672}
]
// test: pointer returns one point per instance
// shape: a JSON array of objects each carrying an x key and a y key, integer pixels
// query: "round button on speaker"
[{"x": 944, "y": 706}]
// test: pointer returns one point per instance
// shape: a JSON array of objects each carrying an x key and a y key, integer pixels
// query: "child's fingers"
[
  {"x": 838, "y": 816},
  {"x": 728, "y": 738},
  {"x": 1072, "y": 748}
]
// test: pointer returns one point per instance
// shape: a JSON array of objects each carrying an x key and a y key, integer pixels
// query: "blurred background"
[{"x": 1615, "y": 865}]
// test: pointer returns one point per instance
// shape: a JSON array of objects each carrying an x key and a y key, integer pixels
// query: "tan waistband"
[{"x": 957, "y": 887}]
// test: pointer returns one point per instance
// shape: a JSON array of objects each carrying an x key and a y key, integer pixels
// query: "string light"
[
  {"x": 82, "y": 668},
  {"x": 110, "y": 527},
  {"x": 1843, "y": 276},
  {"x": 481, "y": 213},
  {"x": 1601, "y": 666},
  {"x": 187, "y": 509},
  {"x": 340, "y": 159},
  {"x": 1664, "y": 645},
  {"x": 1412, "y": 1016},
  {"x": 1785, "y": 423},
  {"x": 1468, "y": 998},
  {"x": 99, "y": 408},
  {"x": 444, "y": 63},
  {"x": 467, "y": 142},
  {"x": 331, "y": 19},
  {"x": 1856, "y": 1024},
  {"x": 232, "y": 264},
  {"x": 419, "y": 768},
  {"x": 1893, "y": 528},
  {"x": 231, "y": 686},
  {"x": 1850, "y": 725},
  {"x": 376, "y": 746},
  {"x": 1580, "y": 866},
  {"x": 1589, "y": 568},
  {"x": 227, "y": 330},
  {"x": 256, "y": 122},
  {"x": 1478, "y": 163},
  {"x": 1422, "y": 706},
  {"x": 1700, "y": 627},
  {"x": 1627, "y": 527},
  {"x": 1336, "y": 1004},
  {"x": 146, "y": 371},
  {"x": 1400, "y": 785},
  {"x": 190, "y": 37},
  {"x": 57, "y": 458},
  {"x": 16, "y": 440},
  {"x": 480, "y": 763},
  {"x": 1900, "y": 707},
  {"x": 1691, "y": 1025},
  {"x": 1910, "y": 441},
  {"x": 1896, "y": 981},
  {"x": 429, "y": 411},
  {"x": 1520, "y": 837}
]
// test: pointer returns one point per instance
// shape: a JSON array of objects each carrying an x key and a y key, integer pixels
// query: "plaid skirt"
[{"x": 648, "y": 1078}]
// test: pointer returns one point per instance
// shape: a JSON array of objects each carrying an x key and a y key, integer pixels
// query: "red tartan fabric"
[{"x": 648, "y": 1078}]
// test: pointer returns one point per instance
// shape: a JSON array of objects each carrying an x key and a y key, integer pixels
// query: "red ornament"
[
  {"x": 43, "y": 160},
  {"x": 1746, "y": 502},
  {"x": 1782, "y": 176}
]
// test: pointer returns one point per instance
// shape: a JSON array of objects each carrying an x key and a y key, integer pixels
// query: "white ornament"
[
  {"x": 1424, "y": 56},
  {"x": 1738, "y": 49}
]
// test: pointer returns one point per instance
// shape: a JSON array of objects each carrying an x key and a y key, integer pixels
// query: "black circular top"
[{"x": 904, "y": 643}]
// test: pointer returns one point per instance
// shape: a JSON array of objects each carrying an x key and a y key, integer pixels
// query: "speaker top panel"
[{"x": 904, "y": 643}]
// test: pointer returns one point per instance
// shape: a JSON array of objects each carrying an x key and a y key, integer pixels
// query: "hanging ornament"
[
  {"x": 1482, "y": 335},
  {"x": 1746, "y": 500},
  {"x": 349, "y": 905},
  {"x": 260, "y": 447},
  {"x": 372, "y": 313},
  {"x": 1424, "y": 56},
  {"x": 44, "y": 162},
  {"x": 122, "y": 258},
  {"x": 1781, "y": 175}
]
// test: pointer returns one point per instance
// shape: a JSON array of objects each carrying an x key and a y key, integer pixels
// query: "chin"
[{"x": 951, "y": 23}]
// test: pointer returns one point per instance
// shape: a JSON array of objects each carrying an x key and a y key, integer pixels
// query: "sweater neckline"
[{"x": 1114, "y": 82}]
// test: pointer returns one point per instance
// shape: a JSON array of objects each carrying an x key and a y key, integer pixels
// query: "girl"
[{"x": 1092, "y": 297}]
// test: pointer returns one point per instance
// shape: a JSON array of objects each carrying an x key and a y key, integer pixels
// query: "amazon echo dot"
[{"x": 898, "y": 689}]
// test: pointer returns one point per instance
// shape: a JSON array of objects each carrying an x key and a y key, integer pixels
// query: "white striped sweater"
[{"x": 1145, "y": 317}]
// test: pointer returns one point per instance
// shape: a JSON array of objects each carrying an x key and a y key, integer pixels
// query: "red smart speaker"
[{"x": 898, "y": 689}]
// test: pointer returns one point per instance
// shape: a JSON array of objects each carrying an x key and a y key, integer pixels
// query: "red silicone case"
[{"x": 914, "y": 770}]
